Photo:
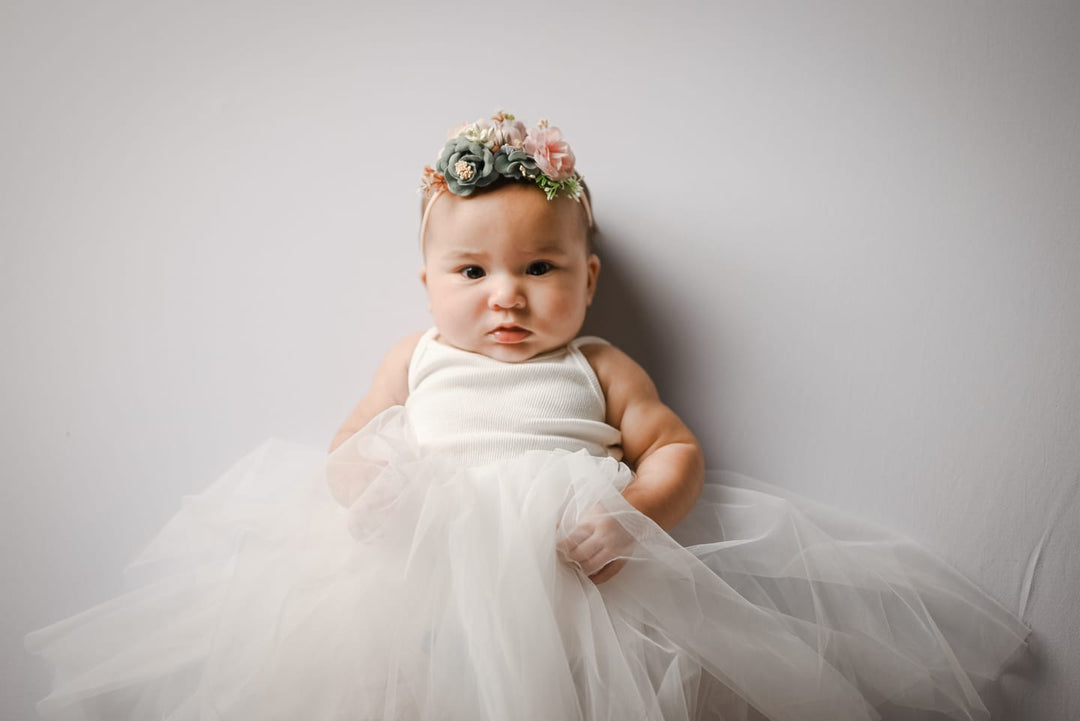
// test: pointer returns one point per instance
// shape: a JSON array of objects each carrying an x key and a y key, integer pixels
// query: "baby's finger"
[
  {"x": 586, "y": 549},
  {"x": 608, "y": 571},
  {"x": 597, "y": 561},
  {"x": 580, "y": 533},
  {"x": 569, "y": 545}
]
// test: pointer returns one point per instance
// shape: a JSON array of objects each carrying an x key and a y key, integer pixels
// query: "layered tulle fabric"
[{"x": 380, "y": 582}]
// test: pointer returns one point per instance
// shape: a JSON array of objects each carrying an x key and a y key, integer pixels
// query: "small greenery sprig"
[{"x": 570, "y": 187}]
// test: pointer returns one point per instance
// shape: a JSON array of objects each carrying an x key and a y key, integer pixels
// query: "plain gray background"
[{"x": 844, "y": 237}]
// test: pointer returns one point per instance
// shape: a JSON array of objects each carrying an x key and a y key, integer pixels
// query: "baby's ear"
[
  {"x": 423, "y": 279},
  {"x": 593, "y": 270}
]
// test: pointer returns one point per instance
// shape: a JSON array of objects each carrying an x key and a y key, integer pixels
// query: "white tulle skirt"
[{"x": 438, "y": 591}]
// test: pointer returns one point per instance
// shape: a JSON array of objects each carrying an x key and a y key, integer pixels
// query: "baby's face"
[{"x": 507, "y": 272}]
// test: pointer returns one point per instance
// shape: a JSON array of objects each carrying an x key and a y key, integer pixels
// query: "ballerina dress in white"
[{"x": 414, "y": 573}]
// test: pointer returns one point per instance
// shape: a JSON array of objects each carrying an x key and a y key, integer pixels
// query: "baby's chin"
[
  {"x": 515, "y": 355},
  {"x": 517, "y": 352}
]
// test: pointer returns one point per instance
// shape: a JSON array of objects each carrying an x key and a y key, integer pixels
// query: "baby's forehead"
[
  {"x": 463, "y": 246},
  {"x": 483, "y": 245},
  {"x": 526, "y": 221}
]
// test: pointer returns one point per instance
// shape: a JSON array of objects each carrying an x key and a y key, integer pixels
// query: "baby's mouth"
[{"x": 510, "y": 334}]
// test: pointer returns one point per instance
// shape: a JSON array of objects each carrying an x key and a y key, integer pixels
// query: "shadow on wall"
[{"x": 621, "y": 313}]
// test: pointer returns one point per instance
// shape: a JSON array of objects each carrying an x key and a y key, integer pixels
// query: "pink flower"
[
  {"x": 511, "y": 133},
  {"x": 551, "y": 153}
]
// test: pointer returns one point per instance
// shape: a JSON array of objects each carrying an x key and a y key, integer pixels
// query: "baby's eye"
[
  {"x": 540, "y": 267},
  {"x": 472, "y": 272}
]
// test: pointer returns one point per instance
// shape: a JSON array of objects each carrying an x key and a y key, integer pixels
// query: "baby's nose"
[{"x": 506, "y": 292}]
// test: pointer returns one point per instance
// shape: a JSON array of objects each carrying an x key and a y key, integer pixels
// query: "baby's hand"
[{"x": 599, "y": 545}]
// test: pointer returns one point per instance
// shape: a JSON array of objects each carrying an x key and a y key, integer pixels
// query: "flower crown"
[{"x": 482, "y": 153}]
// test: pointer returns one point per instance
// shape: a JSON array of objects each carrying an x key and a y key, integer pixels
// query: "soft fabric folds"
[{"x": 383, "y": 583}]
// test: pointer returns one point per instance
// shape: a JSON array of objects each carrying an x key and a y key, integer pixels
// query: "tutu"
[{"x": 438, "y": 591}]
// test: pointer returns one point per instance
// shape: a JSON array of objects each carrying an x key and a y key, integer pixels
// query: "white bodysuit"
[{"x": 478, "y": 409}]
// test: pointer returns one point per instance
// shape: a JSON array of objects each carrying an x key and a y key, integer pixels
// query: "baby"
[
  {"x": 510, "y": 273},
  {"x": 526, "y": 533}
]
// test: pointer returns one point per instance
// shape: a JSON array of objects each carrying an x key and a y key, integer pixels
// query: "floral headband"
[{"x": 485, "y": 152}]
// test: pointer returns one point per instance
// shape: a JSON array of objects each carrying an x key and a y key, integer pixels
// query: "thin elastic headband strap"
[
  {"x": 427, "y": 211},
  {"x": 427, "y": 214}
]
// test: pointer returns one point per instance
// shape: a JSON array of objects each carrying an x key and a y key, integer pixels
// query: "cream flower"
[{"x": 482, "y": 132}]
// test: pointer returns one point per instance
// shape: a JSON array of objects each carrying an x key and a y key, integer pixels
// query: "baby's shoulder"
[
  {"x": 600, "y": 352},
  {"x": 402, "y": 351},
  {"x": 597, "y": 350},
  {"x": 393, "y": 371},
  {"x": 620, "y": 376}
]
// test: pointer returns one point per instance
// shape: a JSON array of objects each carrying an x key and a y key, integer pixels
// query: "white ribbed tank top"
[{"x": 479, "y": 409}]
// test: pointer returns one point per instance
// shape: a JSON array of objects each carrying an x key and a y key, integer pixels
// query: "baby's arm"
[
  {"x": 665, "y": 455},
  {"x": 389, "y": 388},
  {"x": 669, "y": 467}
]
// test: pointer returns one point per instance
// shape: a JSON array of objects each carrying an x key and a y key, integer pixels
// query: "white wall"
[{"x": 845, "y": 238}]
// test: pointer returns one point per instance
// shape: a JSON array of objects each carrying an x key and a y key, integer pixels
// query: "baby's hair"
[{"x": 590, "y": 221}]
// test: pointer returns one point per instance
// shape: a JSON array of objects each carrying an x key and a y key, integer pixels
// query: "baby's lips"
[{"x": 510, "y": 334}]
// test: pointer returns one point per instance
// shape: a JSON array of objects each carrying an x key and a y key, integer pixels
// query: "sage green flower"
[
  {"x": 516, "y": 164},
  {"x": 466, "y": 166}
]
